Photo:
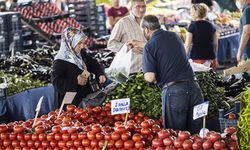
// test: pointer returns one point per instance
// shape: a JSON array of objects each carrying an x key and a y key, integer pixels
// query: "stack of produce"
[
  {"x": 95, "y": 128},
  {"x": 244, "y": 115},
  {"x": 144, "y": 97},
  {"x": 212, "y": 92},
  {"x": 103, "y": 56},
  {"x": 37, "y": 63},
  {"x": 17, "y": 84}
]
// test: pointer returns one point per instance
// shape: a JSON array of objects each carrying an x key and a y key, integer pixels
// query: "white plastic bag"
[{"x": 121, "y": 62}]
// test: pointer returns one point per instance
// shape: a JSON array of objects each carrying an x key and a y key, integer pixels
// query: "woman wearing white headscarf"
[{"x": 69, "y": 63}]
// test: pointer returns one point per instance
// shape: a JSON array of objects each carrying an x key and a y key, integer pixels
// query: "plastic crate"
[
  {"x": 14, "y": 21},
  {"x": 4, "y": 44},
  {"x": 100, "y": 9},
  {"x": 17, "y": 38},
  {"x": 3, "y": 24},
  {"x": 223, "y": 117}
]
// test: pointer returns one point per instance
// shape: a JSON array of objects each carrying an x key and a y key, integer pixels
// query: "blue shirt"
[
  {"x": 164, "y": 54},
  {"x": 203, "y": 39},
  {"x": 245, "y": 20}
]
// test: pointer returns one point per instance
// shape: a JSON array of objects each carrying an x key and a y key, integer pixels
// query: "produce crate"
[
  {"x": 3, "y": 23},
  {"x": 100, "y": 9},
  {"x": 16, "y": 37},
  {"x": 14, "y": 21},
  {"x": 223, "y": 117},
  {"x": 4, "y": 44}
]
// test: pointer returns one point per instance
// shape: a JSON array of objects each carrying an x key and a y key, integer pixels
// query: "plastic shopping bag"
[{"x": 121, "y": 62}]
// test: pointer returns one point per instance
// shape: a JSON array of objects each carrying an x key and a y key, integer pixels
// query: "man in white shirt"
[{"x": 127, "y": 31}]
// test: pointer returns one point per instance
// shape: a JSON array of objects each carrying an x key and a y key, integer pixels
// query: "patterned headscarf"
[{"x": 70, "y": 38}]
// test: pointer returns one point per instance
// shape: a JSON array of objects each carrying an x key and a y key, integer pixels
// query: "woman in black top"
[
  {"x": 69, "y": 63},
  {"x": 202, "y": 36}
]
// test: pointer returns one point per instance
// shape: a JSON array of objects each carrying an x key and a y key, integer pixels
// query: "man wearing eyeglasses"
[{"x": 127, "y": 31}]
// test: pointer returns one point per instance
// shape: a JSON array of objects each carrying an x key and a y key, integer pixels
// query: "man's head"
[
  {"x": 149, "y": 24},
  {"x": 138, "y": 8},
  {"x": 116, "y": 3}
]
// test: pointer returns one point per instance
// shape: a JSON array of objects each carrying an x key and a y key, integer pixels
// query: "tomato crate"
[{"x": 229, "y": 119}]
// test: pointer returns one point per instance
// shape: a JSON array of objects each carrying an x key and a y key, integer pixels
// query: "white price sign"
[
  {"x": 200, "y": 110},
  {"x": 120, "y": 106}
]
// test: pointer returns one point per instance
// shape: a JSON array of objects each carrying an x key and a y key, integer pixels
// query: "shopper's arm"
[
  {"x": 150, "y": 77},
  {"x": 215, "y": 44},
  {"x": 189, "y": 39},
  {"x": 243, "y": 41},
  {"x": 114, "y": 43},
  {"x": 112, "y": 21}
]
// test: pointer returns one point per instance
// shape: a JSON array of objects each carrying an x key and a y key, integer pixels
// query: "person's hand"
[
  {"x": 81, "y": 80},
  {"x": 239, "y": 57},
  {"x": 137, "y": 50},
  {"x": 102, "y": 79}
]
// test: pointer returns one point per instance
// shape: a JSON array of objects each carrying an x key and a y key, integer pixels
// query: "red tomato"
[
  {"x": 137, "y": 137},
  {"x": 66, "y": 137},
  {"x": 37, "y": 144},
  {"x": 53, "y": 144},
  {"x": 94, "y": 143},
  {"x": 30, "y": 143},
  {"x": 18, "y": 129},
  {"x": 111, "y": 144},
  {"x": 125, "y": 136},
  {"x": 34, "y": 137},
  {"x": 197, "y": 145},
  {"x": 187, "y": 144},
  {"x": 120, "y": 129},
  {"x": 139, "y": 144},
  {"x": 42, "y": 137},
  {"x": 13, "y": 136},
  {"x": 163, "y": 134},
  {"x": 39, "y": 129},
  {"x": 115, "y": 136},
  {"x": 27, "y": 136},
  {"x": 119, "y": 144},
  {"x": 50, "y": 136},
  {"x": 15, "y": 143},
  {"x": 96, "y": 128},
  {"x": 82, "y": 135},
  {"x": 231, "y": 116},
  {"x": 107, "y": 136},
  {"x": 77, "y": 143},
  {"x": 23, "y": 143},
  {"x": 85, "y": 142},
  {"x": 207, "y": 145},
  {"x": 58, "y": 136},
  {"x": 3, "y": 128},
  {"x": 91, "y": 135},
  {"x": 184, "y": 135},
  {"x": 219, "y": 145},
  {"x": 99, "y": 136},
  {"x": 61, "y": 144},
  {"x": 70, "y": 144},
  {"x": 128, "y": 144},
  {"x": 145, "y": 124},
  {"x": 70, "y": 108},
  {"x": 168, "y": 141}
]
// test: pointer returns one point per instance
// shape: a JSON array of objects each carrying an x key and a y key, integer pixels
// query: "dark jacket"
[{"x": 64, "y": 78}]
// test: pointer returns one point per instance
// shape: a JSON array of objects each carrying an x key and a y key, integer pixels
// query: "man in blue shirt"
[
  {"x": 244, "y": 47},
  {"x": 165, "y": 62}
]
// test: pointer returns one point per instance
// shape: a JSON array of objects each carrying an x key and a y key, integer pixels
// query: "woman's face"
[
  {"x": 193, "y": 14},
  {"x": 80, "y": 46}
]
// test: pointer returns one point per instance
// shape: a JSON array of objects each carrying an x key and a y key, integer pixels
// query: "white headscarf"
[{"x": 70, "y": 38}]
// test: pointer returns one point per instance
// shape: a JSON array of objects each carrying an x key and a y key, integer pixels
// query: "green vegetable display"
[
  {"x": 244, "y": 120},
  {"x": 215, "y": 95},
  {"x": 144, "y": 97},
  {"x": 17, "y": 84}
]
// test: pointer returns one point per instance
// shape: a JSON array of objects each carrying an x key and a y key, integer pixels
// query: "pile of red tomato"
[{"x": 94, "y": 128}]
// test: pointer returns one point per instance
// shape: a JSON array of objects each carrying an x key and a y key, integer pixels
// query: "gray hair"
[
  {"x": 134, "y": 1},
  {"x": 150, "y": 22}
]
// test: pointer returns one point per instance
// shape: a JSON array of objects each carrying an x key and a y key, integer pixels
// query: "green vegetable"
[
  {"x": 144, "y": 97},
  {"x": 17, "y": 84},
  {"x": 244, "y": 120}
]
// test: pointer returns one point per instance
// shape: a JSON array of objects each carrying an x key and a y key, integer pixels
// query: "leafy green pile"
[
  {"x": 17, "y": 84},
  {"x": 144, "y": 97}
]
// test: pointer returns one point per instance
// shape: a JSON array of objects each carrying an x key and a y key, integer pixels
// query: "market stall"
[{"x": 129, "y": 114}]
